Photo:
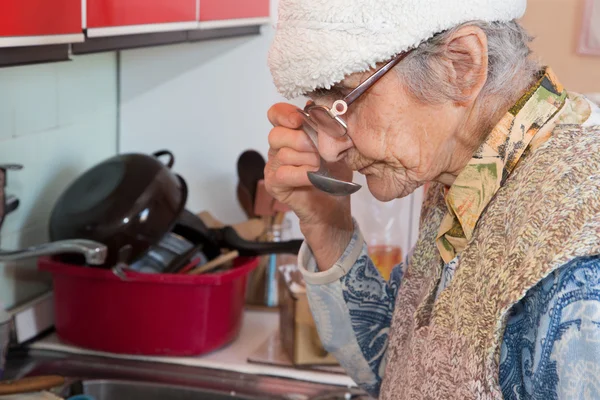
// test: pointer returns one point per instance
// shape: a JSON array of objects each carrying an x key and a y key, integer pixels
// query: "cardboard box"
[{"x": 298, "y": 330}]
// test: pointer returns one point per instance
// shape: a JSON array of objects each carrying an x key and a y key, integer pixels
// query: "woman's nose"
[{"x": 332, "y": 149}]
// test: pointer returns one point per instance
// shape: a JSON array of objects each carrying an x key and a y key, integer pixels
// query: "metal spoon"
[{"x": 322, "y": 178}]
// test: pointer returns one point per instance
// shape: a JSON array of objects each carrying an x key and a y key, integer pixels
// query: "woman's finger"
[
  {"x": 284, "y": 114},
  {"x": 281, "y": 137},
  {"x": 289, "y": 156},
  {"x": 289, "y": 176}
]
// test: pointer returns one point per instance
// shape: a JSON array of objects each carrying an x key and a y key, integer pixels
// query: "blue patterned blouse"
[{"x": 551, "y": 346}]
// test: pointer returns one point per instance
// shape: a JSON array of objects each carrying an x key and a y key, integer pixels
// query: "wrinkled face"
[{"x": 395, "y": 140}]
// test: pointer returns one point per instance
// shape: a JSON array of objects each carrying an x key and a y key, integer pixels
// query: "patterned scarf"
[{"x": 527, "y": 125}]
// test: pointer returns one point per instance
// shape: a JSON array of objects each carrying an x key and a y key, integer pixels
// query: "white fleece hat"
[{"x": 320, "y": 42}]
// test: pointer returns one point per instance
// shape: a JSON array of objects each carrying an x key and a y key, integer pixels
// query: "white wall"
[
  {"x": 558, "y": 47},
  {"x": 207, "y": 102},
  {"x": 56, "y": 120}
]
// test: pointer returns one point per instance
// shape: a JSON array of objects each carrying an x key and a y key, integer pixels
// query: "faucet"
[{"x": 94, "y": 252}]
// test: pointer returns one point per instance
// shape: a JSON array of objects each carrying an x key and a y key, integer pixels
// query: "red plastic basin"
[{"x": 149, "y": 314}]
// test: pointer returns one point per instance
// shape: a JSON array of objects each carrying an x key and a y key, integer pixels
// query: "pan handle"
[
  {"x": 228, "y": 237},
  {"x": 192, "y": 228},
  {"x": 161, "y": 153}
]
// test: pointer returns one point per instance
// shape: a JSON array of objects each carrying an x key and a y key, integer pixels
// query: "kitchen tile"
[
  {"x": 56, "y": 120},
  {"x": 61, "y": 155},
  {"x": 87, "y": 86},
  {"x": 20, "y": 280},
  {"x": 7, "y": 122},
  {"x": 35, "y": 98},
  {"x": 7, "y": 109}
]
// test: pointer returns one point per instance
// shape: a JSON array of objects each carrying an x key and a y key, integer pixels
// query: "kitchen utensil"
[
  {"x": 12, "y": 203},
  {"x": 31, "y": 384},
  {"x": 149, "y": 314},
  {"x": 4, "y": 199},
  {"x": 279, "y": 231},
  {"x": 93, "y": 253},
  {"x": 129, "y": 199},
  {"x": 257, "y": 284},
  {"x": 174, "y": 244},
  {"x": 213, "y": 264},
  {"x": 45, "y": 395},
  {"x": 192, "y": 228},
  {"x": 210, "y": 220},
  {"x": 194, "y": 262},
  {"x": 119, "y": 268},
  {"x": 5, "y": 328},
  {"x": 263, "y": 203},
  {"x": 160, "y": 256},
  {"x": 279, "y": 207},
  {"x": 272, "y": 352},
  {"x": 245, "y": 200},
  {"x": 279, "y": 217},
  {"x": 251, "y": 229},
  {"x": 271, "y": 293},
  {"x": 322, "y": 179},
  {"x": 251, "y": 169},
  {"x": 181, "y": 260}
]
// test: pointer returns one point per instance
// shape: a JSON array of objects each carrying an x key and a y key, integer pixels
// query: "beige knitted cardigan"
[{"x": 546, "y": 214}]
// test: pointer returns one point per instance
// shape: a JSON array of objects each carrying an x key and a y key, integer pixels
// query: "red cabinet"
[
  {"x": 233, "y": 12},
  {"x": 32, "y": 22},
  {"x": 116, "y": 17},
  {"x": 38, "y": 22}
]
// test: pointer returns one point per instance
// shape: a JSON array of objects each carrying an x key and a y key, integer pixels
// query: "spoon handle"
[{"x": 312, "y": 134}]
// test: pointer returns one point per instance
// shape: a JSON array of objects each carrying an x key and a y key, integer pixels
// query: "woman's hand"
[{"x": 325, "y": 220}]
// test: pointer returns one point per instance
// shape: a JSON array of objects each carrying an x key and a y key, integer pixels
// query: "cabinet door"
[
  {"x": 217, "y": 13},
  {"x": 121, "y": 17},
  {"x": 35, "y": 22}
]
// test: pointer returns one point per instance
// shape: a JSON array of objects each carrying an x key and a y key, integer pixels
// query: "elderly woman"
[{"x": 501, "y": 295}]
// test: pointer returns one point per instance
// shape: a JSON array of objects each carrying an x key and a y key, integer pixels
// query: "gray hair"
[{"x": 509, "y": 65}]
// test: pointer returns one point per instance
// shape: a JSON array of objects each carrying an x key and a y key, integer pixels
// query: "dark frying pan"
[
  {"x": 192, "y": 228},
  {"x": 129, "y": 199}
]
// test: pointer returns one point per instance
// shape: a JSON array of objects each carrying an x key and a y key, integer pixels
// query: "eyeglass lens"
[{"x": 325, "y": 123}]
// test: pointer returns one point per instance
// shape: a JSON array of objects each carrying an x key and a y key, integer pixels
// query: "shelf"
[
  {"x": 125, "y": 42},
  {"x": 221, "y": 33},
  {"x": 12, "y": 56}
]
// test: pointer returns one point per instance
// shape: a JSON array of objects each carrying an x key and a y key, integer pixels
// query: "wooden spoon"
[
  {"x": 251, "y": 169},
  {"x": 31, "y": 384},
  {"x": 214, "y": 264}
]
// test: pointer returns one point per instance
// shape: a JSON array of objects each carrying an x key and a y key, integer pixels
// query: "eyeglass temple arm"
[{"x": 363, "y": 87}]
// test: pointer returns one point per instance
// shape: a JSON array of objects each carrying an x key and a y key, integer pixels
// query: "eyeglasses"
[{"x": 328, "y": 120}]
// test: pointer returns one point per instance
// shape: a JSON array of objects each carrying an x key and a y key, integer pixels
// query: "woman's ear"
[{"x": 466, "y": 58}]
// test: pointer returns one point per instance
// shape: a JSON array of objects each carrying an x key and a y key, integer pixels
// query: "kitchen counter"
[{"x": 258, "y": 327}]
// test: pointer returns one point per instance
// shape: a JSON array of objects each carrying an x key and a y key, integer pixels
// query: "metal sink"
[
  {"x": 113, "y": 379},
  {"x": 131, "y": 390}
]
